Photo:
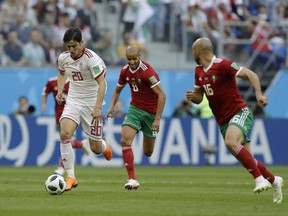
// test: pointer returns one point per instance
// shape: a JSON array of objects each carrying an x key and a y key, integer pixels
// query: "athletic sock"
[
  {"x": 128, "y": 159},
  {"x": 104, "y": 145},
  {"x": 266, "y": 173},
  {"x": 247, "y": 160},
  {"x": 68, "y": 158},
  {"x": 76, "y": 144}
]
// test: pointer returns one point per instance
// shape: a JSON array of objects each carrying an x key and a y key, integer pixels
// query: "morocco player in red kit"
[
  {"x": 51, "y": 87},
  {"x": 216, "y": 77},
  {"x": 145, "y": 111}
]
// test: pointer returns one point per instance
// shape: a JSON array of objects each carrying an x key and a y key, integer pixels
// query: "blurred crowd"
[{"x": 31, "y": 31}]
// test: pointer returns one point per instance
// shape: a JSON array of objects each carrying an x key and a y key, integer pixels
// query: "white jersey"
[{"x": 82, "y": 74}]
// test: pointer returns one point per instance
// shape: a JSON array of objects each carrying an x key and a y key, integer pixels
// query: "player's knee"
[
  {"x": 125, "y": 141},
  {"x": 64, "y": 135},
  {"x": 231, "y": 145}
]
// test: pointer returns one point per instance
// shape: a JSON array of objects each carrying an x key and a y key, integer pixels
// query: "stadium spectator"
[
  {"x": 3, "y": 58},
  {"x": 129, "y": 14},
  {"x": 70, "y": 7},
  {"x": 33, "y": 51},
  {"x": 195, "y": 25},
  {"x": 48, "y": 28},
  {"x": 107, "y": 49},
  {"x": 64, "y": 23},
  {"x": 30, "y": 14},
  {"x": 22, "y": 27},
  {"x": 233, "y": 116},
  {"x": 43, "y": 6},
  {"x": 163, "y": 12},
  {"x": 84, "y": 101},
  {"x": 13, "y": 50},
  {"x": 51, "y": 87},
  {"x": 216, "y": 15},
  {"x": 128, "y": 41},
  {"x": 145, "y": 111},
  {"x": 89, "y": 17},
  {"x": 24, "y": 108},
  {"x": 185, "y": 109}
]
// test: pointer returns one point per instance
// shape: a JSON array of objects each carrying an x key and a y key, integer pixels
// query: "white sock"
[
  {"x": 68, "y": 158},
  {"x": 103, "y": 145}
]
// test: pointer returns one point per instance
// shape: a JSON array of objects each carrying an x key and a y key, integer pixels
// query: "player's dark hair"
[{"x": 73, "y": 34}]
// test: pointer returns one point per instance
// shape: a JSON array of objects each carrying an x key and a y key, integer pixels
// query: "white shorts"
[{"x": 82, "y": 114}]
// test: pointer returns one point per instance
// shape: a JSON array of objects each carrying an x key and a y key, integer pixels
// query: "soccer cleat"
[
  {"x": 108, "y": 152},
  {"x": 262, "y": 186},
  {"x": 60, "y": 171},
  {"x": 277, "y": 190},
  {"x": 132, "y": 184},
  {"x": 70, "y": 183},
  {"x": 85, "y": 146}
]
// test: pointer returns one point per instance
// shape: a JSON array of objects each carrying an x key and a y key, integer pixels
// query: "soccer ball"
[{"x": 55, "y": 184}]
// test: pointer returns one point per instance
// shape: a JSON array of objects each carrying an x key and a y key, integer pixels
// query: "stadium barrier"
[{"x": 28, "y": 140}]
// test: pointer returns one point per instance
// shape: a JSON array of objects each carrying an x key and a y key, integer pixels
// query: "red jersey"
[
  {"x": 218, "y": 81},
  {"x": 51, "y": 86},
  {"x": 141, "y": 82}
]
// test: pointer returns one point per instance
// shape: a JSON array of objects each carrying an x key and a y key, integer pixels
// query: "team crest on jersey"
[
  {"x": 213, "y": 77},
  {"x": 81, "y": 66}
]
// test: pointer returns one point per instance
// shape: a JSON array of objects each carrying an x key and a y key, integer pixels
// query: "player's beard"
[{"x": 197, "y": 60}]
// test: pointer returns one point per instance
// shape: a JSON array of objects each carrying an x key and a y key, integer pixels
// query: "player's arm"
[
  {"x": 195, "y": 96},
  {"x": 61, "y": 79},
  {"x": 114, "y": 99},
  {"x": 97, "y": 112},
  {"x": 247, "y": 74},
  {"x": 44, "y": 100},
  {"x": 160, "y": 106}
]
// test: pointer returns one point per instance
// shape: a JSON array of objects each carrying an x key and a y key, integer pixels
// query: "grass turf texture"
[{"x": 163, "y": 191}]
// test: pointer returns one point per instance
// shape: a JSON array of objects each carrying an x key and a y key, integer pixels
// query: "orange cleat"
[
  {"x": 70, "y": 182},
  {"x": 108, "y": 152}
]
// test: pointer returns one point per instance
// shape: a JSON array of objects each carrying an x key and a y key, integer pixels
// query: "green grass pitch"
[{"x": 165, "y": 191}]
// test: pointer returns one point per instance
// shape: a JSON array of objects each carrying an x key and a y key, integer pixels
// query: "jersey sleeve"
[
  {"x": 152, "y": 77},
  {"x": 59, "y": 63},
  {"x": 47, "y": 89},
  {"x": 96, "y": 66},
  {"x": 122, "y": 78},
  {"x": 230, "y": 67},
  {"x": 196, "y": 78}
]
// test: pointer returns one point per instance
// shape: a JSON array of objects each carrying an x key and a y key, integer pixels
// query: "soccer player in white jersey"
[{"x": 86, "y": 72}]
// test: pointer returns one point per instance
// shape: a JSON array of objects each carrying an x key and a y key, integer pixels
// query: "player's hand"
[
  {"x": 190, "y": 95},
  {"x": 59, "y": 98},
  {"x": 96, "y": 116},
  {"x": 262, "y": 101},
  {"x": 156, "y": 125},
  {"x": 109, "y": 114}
]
